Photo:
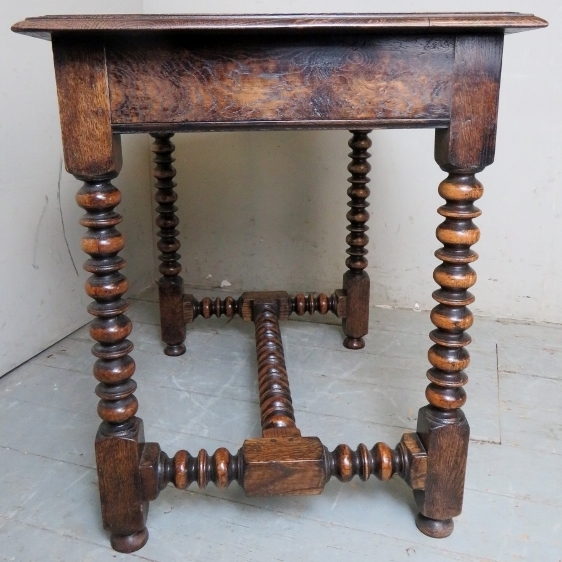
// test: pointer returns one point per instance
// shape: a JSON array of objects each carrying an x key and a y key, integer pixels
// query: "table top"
[{"x": 508, "y": 22}]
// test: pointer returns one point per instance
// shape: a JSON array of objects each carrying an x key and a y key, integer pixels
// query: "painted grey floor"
[{"x": 208, "y": 398}]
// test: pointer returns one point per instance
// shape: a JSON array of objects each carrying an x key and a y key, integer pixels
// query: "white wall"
[
  {"x": 41, "y": 278},
  {"x": 267, "y": 210}
]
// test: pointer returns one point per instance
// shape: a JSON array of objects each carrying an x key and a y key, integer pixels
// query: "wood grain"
[
  {"x": 276, "y": 404},
  {"x": 120, "y": 436},
  {"x": 284, "y": 466},
  {"x": 178, "y": 80},
  {"x": 446, "y": 443},
  {"x": 90, "y": 148},
  {"x": 123, "y": 507},
  {"x": 287, "y": 125},
  {"x": 469, "y": 142},
  {"x": 509, "y": 22}
]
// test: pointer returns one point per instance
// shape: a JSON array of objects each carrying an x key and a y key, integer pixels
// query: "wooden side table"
[{"x": 167, "y": 74}]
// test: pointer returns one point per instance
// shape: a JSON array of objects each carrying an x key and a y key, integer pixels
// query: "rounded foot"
[
  {"x": 175, "y": 350},
  {"x": 354, "y": 343},
  {"x": 129, "y": 543},
  {"x": 437, "y": 529}
]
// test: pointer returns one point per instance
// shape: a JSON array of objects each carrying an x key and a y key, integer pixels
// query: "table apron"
[{"x": 340, "y": 81}]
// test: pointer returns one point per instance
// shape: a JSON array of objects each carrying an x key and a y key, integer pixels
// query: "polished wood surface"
[
  {"x": 276, "y": 404},
  {"x": 286, "y": 465},
  {"x": 166, "y": 74},
  {"x": 120, "y": 433},
  {"x": 191, "y": 80},
  {"x": 507, "y": 22},
  {"x": 300, "y": 304}
]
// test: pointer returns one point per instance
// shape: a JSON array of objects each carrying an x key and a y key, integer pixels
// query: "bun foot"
[
  {"x": 175, "y": 350},
  {"x": 129, "y": 543},
  {"x": 434, "y": 528},
  {"x": 354, "y": 343}
]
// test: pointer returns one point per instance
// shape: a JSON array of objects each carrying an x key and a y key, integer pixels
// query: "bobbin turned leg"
[
  {"x": 442, "y": 426},
  {"x": 356, "y": 281},
  {"x": 120, "y": 436},
  {"x": 170, "y": 285},
  {"x": 92, "y": 153},
  {"x": 462, "y": 150}
]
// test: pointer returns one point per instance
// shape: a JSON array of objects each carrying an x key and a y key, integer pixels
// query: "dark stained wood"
[
  {"x": 408, "y": 460},
  {"x": 164, "y": 74},
  {"x": 289, "y": 466},
  {"x": 276, "y": 404},
  {"x": 413, "y": 455},
  {"x": 207, "y": 307},
  {"x": 123, "y": 505},
  {"x": 356, "y": 283},
  {"x": 120, "y": 434},
  {"x": 442, "y": 425},
  {"x": 90, "y": 148},
  {"x": 250, "y": 299},
  {"x": 311, "y": 303},
  {"x": 230, "y": 307},
  {"x": 340, "y": 302},
  {"x": 427, "y": 22},
  {"x": 282, "y": 464},
  {"x": 170, "y": 285},
  {"x": 437, "y": 529},
  {"x": 152, "y": 470},
  {"x": 286, "y": 125},
  {"x": 278, "y": 79},
  {"x": 281, "y": 432},
  {"x": 221, "y": 469},
  {"x": 469, "y": 142},
  {"x": 446, "y": 443},
  {"x": 466, "y": 147},
  {"x": 355, "y": 323}
]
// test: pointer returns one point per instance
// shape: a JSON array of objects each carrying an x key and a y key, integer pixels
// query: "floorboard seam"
[
  {"x": 37, "y": 455},
  {"x": 499, "y": 390},
  {"x": 340, "y": 525},
  {"x": 73, "y": 537}
]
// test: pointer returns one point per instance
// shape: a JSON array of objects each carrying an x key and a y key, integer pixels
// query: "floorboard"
[{"x": 49, "y": 507}]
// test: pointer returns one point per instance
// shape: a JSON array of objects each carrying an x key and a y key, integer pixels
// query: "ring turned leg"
[
  {"x": 170, "y": 285},
  {"x": 442, "y": 425},
  {"x": 463, "y": 149},
  {"x": 356, "y": 280},
  {"x": 120, "y": 433}
]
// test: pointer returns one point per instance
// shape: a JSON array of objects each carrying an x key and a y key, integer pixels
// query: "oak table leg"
[
  {"x": 117, "y": 442},
  {"x": 465, "y": 148},
  {"x": 356, "y": 280},
  {"x": 170, "y": 285},
  {"x": 442, "y": 425}
]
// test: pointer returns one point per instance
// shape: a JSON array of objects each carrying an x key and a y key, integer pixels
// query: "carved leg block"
[
  {"x": 356, "y": 322},
  {"x": 446, "y": 445},
  {"x": 123, "y": 507},
  {"x": 170, "y": 295},
  {"x": 285, "y": 466}
]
